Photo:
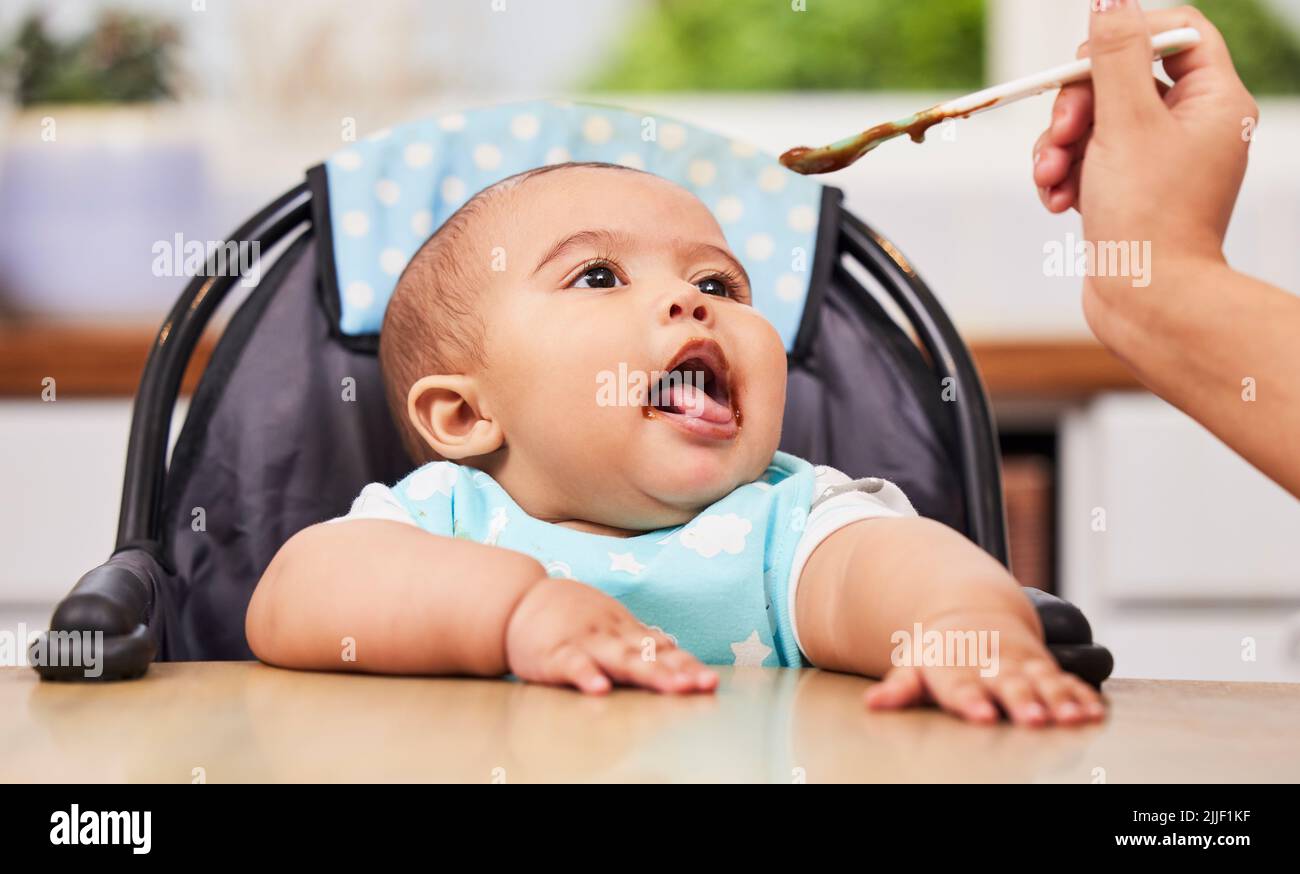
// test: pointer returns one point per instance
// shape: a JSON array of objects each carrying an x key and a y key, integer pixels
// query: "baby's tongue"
[{"x": 693, "y": 401}]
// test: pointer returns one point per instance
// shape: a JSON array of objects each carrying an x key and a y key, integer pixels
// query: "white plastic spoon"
[{"x": 839, "y": 155}]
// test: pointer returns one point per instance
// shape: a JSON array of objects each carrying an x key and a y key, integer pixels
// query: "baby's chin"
[{"x": 680, "y": 488}]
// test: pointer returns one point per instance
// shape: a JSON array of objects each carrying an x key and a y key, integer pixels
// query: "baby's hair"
[{"x": 434, "y": 324}]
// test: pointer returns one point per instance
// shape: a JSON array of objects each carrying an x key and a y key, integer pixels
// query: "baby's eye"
[
  {"x": 714, "y": 285},
  {"x": 597, "y": 277}
]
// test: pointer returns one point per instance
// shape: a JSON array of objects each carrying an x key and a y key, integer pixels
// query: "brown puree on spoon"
[{"x": 837, "y": 156}]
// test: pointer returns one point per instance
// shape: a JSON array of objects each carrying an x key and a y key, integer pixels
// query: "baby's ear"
[{"x": 448, "y": 413}]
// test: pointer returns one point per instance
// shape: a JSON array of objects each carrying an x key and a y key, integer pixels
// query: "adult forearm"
[
  {"x": 1219, "y": 345},
  {"x": 381, "y": 596}
]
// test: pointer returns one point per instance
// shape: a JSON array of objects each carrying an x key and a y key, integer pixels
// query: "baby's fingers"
[
  {"x": 689, "y": 670},
  {"x": 688, "y": 673},
  {"x": 1088, "y": 698},
  {"x": 629, "y": 661},
  {"x": 960, "y": 692},
  {"x": 1070, "y": 700},
  {"x": 1057, "y": 694},
  {"x": 1019, "y": 698},
  {"x": 901, "y": 687},
  {"x": 577, "y": 668}
]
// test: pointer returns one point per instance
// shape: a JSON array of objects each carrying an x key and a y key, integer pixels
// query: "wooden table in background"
[{"x": 246, "y": 722}]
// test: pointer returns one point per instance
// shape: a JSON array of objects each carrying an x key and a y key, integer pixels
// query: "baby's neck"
[
  {"x": 597, "y": 528},
  {"x": 522, "y": 495}
]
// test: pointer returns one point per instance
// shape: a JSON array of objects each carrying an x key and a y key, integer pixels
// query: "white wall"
[
  {"x": 62, "y": 474},
  {"x": 1185, "y": 559}
]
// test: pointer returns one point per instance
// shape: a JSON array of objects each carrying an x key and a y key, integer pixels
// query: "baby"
[{"x": 568, "y": 527}]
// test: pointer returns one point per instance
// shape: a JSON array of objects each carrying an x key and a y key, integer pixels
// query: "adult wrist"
[{"x": 1122, "y": 315}]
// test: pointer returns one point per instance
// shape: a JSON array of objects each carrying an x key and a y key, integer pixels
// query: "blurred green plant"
[
  {"x": 124, "y": 58},
  {"x": 742, "y": 45},
  {"x": 1265, "y": 50}
]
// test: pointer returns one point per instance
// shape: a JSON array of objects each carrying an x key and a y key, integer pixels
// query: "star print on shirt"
[
  {"x": 625, "y": 561},
  {"x": 750, "y": 652}
]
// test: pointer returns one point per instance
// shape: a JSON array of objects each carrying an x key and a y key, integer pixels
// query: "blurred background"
[{"x": 125, "y": 122}]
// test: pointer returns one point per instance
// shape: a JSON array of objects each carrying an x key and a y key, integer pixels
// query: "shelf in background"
[
  {"x": 85, "y": 361},
  {"x": 91, "y": 361}
]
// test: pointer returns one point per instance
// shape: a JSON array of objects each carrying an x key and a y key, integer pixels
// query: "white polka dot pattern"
[{"x": 390, "y": 191}]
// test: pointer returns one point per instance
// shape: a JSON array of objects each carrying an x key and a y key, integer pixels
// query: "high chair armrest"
[
  {"x": 1062, "y": 621},
  {"x": 1069, "y": 637},
  {"x": 100, "y": 631},
  {"x": 1091, "y": 662}
]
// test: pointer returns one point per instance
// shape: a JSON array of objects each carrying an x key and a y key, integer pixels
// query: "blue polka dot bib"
[{"x": 719, "y": 585}]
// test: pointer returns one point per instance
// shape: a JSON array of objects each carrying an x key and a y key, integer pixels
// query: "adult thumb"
[{"x": 1119, "y": 44}]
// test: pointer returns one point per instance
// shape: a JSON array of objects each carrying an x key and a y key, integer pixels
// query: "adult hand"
[
  {"x": 1146, "y": 164},
  {"x": 1142, "y": 161}
]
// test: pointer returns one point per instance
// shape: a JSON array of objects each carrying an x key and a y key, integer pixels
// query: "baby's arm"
[
  {"x": 874, "y": 578},
  {"x": 413, "y": 602}
]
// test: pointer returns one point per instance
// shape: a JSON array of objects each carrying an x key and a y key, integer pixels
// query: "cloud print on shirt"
[
  {"x": 713, "y": 534},
  {"x": 434, "y": 479}
]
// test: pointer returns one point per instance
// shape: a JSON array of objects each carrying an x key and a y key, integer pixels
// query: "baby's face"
[{"x": 608, "y": 276}]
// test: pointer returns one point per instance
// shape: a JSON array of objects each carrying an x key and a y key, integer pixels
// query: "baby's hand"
[
  {"x": 567, "y": 632},
  {"x": 1027, "y": 682}
]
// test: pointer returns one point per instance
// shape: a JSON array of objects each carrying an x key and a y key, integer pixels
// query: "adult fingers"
[
  {"x": 1071, "y": 113},
  {"x": 1119, "y": 42},
  {"x": 1052, "y": 164},
  {"x": 1065, "y": 194},
  {"x": 1210, "y": 55}
]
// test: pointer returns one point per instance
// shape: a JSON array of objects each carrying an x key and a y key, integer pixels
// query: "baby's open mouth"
[{"x": 696, "y": 388}]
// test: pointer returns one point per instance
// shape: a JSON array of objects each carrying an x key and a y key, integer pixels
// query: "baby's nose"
[{"x": 688, "y": 304}]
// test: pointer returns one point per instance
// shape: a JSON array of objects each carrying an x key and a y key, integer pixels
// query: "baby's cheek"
[
  {"x": 764, "y": 412},
  {"x": 768, "y": 372},
  {"x": 769, "y": 346}
]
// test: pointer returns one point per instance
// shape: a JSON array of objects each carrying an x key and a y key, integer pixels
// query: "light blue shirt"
[{"x": 722, "y": 585}]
